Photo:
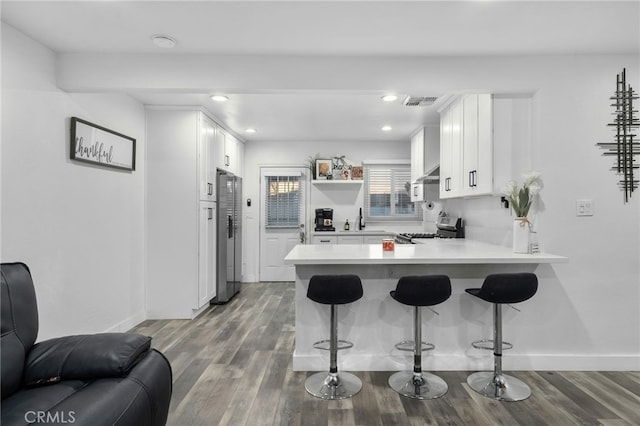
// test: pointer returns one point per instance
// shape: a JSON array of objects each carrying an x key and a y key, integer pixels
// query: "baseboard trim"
[
  {"x": 464, "y": 362},
  {"x": 128, "y": 323}
]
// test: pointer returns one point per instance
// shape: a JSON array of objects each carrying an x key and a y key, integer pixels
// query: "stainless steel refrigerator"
[{"x": 229, "y": 236}]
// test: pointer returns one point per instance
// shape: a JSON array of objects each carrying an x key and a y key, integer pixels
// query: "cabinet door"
[
  {"x": 477, "y": 152},
  {"x": 484, "y": 175},
  {"x": 329, "y": 239},
  {"x": 450, "y": 148},
  {"x": 374, "y": 239},
  {"x": 206, "y": 158},
  {"x": 220, "y": 142},
  {"x": 417, "y": 192},
  {"x": 417, "y": 155},
  {"x": 469, "y": 144},
  {"x": 206, "y": 254},
  {"x": 231, "y": 153},
  {"x": 350, "y": 239}
]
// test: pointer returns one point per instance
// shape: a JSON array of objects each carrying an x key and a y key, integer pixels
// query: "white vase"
[{"x": 521, "y": 235}]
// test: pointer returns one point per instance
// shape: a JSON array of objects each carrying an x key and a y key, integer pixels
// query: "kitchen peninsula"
[{"x": 376, "y": 322}]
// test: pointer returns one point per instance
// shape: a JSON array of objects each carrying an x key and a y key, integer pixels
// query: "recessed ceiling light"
[
  {"x": 389, "y": 98},
  {"x": 163, "y": 41},
  {"x": 251, "y": 130},
  {"x": 386, "y": 128},
  {"x": 219, "y": 98}
]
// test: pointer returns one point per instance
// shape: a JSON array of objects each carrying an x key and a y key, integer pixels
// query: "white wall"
[
  {"x": 345, "y": 201},
  {"x": 590, "y": 317},
  {"x": 78, "y": 227}
]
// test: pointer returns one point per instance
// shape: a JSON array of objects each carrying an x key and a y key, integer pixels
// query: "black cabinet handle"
[{"x": 473, "y": 178}]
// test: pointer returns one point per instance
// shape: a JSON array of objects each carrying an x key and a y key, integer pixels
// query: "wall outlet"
[{"x": 584, "y": 207}]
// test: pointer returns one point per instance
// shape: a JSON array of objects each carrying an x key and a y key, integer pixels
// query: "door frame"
[{"x": 306, "y": 181}]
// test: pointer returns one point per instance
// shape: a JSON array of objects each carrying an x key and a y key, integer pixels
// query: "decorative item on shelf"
[
  {"x": 521, "y": 200},
  {"x": 324, "y": 169},
  {"x": 311, "y": 161},
  {"x": 340, "y": 166},
  {"x": 357, "y": 172},
  {"x": 626, "y": 145}
]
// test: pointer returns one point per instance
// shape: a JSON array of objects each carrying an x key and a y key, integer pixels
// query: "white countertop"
[{"x": 436, "y": 251}]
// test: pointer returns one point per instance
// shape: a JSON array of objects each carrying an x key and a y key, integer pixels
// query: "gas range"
[{"x": 447, "y": 227}]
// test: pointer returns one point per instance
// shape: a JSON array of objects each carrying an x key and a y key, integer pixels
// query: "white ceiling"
[{"x": 324, "y": 28}]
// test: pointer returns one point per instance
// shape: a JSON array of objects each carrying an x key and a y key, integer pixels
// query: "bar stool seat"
[
  {"x": 419, "y": 291},
  {"x": 500, "y": 289},
  {"x": 334, "y": 290}
]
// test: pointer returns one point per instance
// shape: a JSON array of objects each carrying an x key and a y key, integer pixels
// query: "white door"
[{"x": 282, "y": 219}]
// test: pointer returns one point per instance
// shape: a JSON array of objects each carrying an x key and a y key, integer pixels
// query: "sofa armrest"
[{"x": 84, "y": 357}]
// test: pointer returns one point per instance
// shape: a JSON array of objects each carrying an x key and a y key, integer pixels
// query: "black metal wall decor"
[{"x": 626, "y": 145}]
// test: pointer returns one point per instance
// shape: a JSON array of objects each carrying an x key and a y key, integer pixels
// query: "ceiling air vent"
[{"x": 419, "y": 100}]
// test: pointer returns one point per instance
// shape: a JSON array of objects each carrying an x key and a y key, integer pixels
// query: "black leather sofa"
[{"x": 98, "y": 379}]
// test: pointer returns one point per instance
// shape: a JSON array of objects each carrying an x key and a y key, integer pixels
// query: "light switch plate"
[{"x": 584, "y": 207}]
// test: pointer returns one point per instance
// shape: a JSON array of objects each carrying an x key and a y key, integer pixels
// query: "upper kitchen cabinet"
[
  {"x": 231, "y": 153},
  {"x": 450, "y": 148},
  {"x": 466, "y": 147},
  {"x": 425, "y": 159},
  {"x": 207, "y": 158},
  {"x": 477, "y": 145}
]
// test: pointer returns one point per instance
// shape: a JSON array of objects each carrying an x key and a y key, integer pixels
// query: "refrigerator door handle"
[{"x": 229, "y": 226}]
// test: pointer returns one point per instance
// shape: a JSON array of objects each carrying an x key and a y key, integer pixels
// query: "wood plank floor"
[{"x": 232, "y": 366}]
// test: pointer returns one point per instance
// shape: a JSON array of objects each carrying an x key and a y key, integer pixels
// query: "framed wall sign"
[{"x": 100, "y": 146}]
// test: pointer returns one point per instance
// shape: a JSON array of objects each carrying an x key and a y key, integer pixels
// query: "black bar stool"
[
  {"x": 419, "y": 291},
  {"x": 334, "y": 290},
  {"x": 499, "y": 289}
]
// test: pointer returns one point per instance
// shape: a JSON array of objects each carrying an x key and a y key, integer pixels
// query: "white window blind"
[
  {"x": 283, "y": 197},
  {"x": 388, "y": 193}
]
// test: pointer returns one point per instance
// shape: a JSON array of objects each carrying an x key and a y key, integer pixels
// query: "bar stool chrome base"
[
  {"x": 501, "y": 387},
  {"x": 332, "y": 386},
  {"x": 418, "y": 386}
]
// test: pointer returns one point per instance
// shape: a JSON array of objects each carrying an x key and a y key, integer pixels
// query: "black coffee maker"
[{"x": 324, "y": 220}]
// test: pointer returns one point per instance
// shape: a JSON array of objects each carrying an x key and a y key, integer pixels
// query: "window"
[
  {"x": 388, "y": 193},
  {"x": 283, "y": 198}
]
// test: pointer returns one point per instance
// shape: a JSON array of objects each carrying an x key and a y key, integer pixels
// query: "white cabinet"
[
  {"x": 425, "y": 158},
  {"x": 231, "y": 153},
  {"x": 207, "y": 253},
  {"x": 207, "y": 158},
  {"x": 477, "y": 147},
  {"x": 350, "y": 239},
  {"x": 466, "y": 147},
  {"x": 329, "y": 239},
  {"x": 450, "y": 147},
  {"x": 180, "y": 261},
  {"x": 375, "y": 239}
]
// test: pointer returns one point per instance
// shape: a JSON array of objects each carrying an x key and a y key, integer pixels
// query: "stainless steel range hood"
[{"x": 432, "y": 175}]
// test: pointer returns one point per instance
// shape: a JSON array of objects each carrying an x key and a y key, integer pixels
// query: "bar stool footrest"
[
  {"x": 408, "y": 345},
  {"x": 487, "y": 344},
  {"x": 324, "y": 345}
]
